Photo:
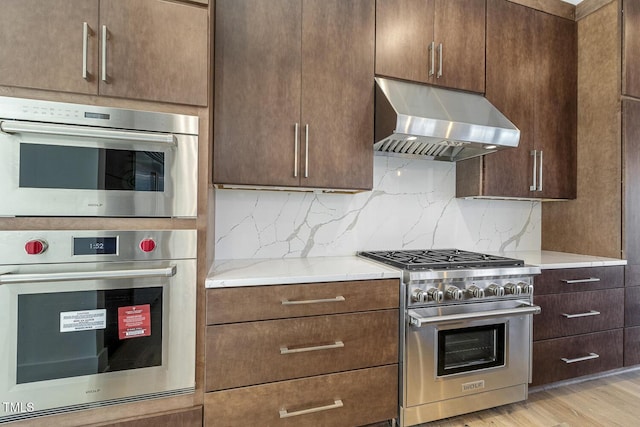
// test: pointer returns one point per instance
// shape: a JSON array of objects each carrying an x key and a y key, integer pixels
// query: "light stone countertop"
[
  {"x": 548, "y": 260},
  {"x": 279, "y": 271}
]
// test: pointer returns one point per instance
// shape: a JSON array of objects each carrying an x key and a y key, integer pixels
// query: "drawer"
[
  {"x": 578, "y": 313},
  {"x": 230, "y": 305},
  {"x": 345, "y": 399},
  {"x": 578, "y": 279},
  {"x": 250, "y": 353},
  {"x": 580, "y": 353}
]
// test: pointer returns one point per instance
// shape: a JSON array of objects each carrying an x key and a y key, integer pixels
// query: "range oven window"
[
  {"x": 470, "y": 349},
  {"x": 68, "y": 334},
  {"x": 86, "y": 168}
]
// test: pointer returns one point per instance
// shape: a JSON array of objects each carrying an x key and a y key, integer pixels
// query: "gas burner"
[{"x": 440, "y": 259}]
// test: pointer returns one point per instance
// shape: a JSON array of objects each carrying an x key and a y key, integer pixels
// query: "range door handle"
[
  {"x": 6, "y": 279},
  {"x": 16, "y": 126},
  {"x": 416, "y": 320}
]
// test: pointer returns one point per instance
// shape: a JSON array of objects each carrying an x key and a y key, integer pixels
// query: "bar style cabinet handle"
[
  {"x": 580, "y": 359},
  {"x": 339, "y": 298},
  {"x": 105, "y": 32},
  {"x": 540, "y": 176},
  {"x": 287, "y": 350},
  {"x": 587, "y": 314},
  {"x": 336, "y": 404},
  {"x": 295, "y": 150},
  {"x": 432, "y": 54},
  {"x": 86, "y": 32},
  {"x": 534, "y": 185},
  {"x": 589, "y": 280},
  {"x": 306, "y": 151},
  {"x": 440, "y": 48}
]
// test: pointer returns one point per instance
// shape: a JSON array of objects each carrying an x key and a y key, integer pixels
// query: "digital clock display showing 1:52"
[{"x": 95, "y": 245}]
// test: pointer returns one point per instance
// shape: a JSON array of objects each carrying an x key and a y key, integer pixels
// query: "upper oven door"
[
  {"x": 86, "y": 333},
  {"x": 459, "y": 350},
  {"x": 66, "y": 170}
]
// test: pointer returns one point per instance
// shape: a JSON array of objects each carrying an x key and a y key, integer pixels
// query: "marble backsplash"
[{"x": 412, "y": 206}]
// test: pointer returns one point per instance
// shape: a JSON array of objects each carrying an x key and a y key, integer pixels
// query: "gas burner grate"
[{"x": 422, "y": 259}]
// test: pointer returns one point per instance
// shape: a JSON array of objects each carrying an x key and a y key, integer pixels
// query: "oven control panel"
[{"x": 449, "y": 292}]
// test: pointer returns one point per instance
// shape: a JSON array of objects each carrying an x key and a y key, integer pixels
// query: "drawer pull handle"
[
  {"x": 580, "y": 359},
  {"x": 590, "y": 279},
  {"x": 287, "y": 350},
  {"x": 589, "y": 313},
  {"x": 336, "y": 404},
  {"x": 313, "y": 301}
]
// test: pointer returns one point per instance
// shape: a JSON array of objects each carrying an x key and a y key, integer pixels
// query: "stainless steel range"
[{"x": 466, "y": 331}]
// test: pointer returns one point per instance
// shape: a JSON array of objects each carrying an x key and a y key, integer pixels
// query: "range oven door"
[
  {"x": 454, "y": 351},
  {"x": 66, "y": 170},
  {"x": 90, "y": 334}
]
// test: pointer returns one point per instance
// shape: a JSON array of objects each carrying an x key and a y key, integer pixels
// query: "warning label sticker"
[
  {"x": 134, "y": 321},
  {"x": 85, "y": 320}
]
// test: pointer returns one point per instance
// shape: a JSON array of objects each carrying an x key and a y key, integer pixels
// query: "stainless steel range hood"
[{"x": 441, "y": 124}]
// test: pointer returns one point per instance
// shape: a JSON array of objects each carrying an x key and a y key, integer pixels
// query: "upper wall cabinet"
[
  {"x": 147, "y": 49},
  {"x": 439, "y": 42},
  {"x": 532, "y": 79},
  {"x": 294, "y": 93},
  {"x": 631, "y": 48}
]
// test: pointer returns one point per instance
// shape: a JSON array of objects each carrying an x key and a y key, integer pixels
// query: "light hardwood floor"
[{"x": 609, "y": 401}]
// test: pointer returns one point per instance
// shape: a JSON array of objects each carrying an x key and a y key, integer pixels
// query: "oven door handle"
[
  {"x": 14, "y": 126},
  {"x": 416, "y": 320},
  {"x": 6, "y": 279}
]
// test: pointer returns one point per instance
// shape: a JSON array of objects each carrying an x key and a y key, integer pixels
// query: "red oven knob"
[
  {"x": 147, "y": 245},
  {"x": 35, "y": 247}
]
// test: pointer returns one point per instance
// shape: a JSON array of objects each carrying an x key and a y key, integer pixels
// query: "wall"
[{"x": 412, "y": 205}]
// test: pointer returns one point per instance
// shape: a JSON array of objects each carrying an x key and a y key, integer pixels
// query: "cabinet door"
[
  {"x": 257, "y": 91},
  {"x": 404, "y": 31},
  {"x": 556, "y": 105},
  {"x": 631, "y": 149},
  {"x": 460, "y": 26},
  {"x": 509, "y": 86},
  {"x": 41, "y": 44},
  {"x": 631, "y": 48},
  {"x": 337, "y": 93},
  {"x": 156, "y": 50}
]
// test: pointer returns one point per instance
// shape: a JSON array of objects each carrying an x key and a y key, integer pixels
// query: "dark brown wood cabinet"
[
  {"x": 294, "y": 93},
  {"x": 631, "y": 48},
  {"x": 143, "y": 59},
  {"x": 422, "y": 41},
  {"x": 531, "y": 77},
  {"x": 580, "y": 328},
  {"x": 324, "y": 353}
]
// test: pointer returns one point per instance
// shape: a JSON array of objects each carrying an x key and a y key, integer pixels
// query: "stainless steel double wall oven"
[{"x": 466, "y": 331}]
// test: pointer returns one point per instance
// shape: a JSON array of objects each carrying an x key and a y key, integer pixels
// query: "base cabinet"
[
  {"x": 315, "y": 354},
  {"x": 580, "y": 330}
]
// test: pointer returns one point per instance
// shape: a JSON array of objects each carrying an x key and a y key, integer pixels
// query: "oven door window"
[
  {"x": 69, "y": 334},
  {"x": 470, "y": 349},
  {"x": 86, "y": 168}
]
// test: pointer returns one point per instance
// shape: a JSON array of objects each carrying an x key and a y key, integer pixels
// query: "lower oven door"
[
  {"x": 460, "y": 350},
  {"x": 86, "y": 335}
]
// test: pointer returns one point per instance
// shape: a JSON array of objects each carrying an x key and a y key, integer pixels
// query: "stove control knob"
[
  {"x": 435, "y": 295},
  {"x": 475, "y": 292},
  {"x": 495, "y": 290},
  {"x": 35, "y": 247},
  {"x": 419, "y": 296},
  {"x": 513, "y": 289},
  {"x": 454, "y": 293},
  {"x": 527, "y": 288}
]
